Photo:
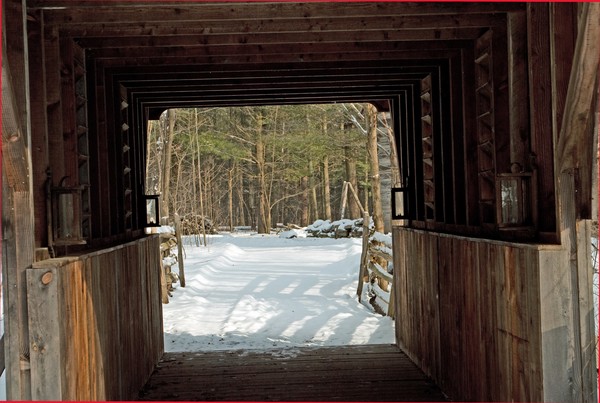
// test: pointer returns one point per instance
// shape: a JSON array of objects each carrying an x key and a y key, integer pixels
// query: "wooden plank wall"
[
  {"x": 468, "y": 314},
  {"x": 96, "y": 323}
]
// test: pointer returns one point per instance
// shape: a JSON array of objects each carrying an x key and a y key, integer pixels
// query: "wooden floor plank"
[{"x": 349, "y": 373}]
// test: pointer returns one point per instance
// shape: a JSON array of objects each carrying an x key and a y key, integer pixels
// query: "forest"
[{"x": 269, "y": 166}]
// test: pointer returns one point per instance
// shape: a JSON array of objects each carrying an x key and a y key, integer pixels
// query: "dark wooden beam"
[
  {"x": 255, "y": 61},
  {"x": 283, "y": 51},
  {"x": 540, "y": 106},
  {"x": 68, "y": 12},
  {"x": 339, "y": 37}
]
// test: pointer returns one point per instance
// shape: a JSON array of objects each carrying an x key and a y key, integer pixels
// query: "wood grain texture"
[
  {"x": 98, "y": 324},
  {"x": 468, "y": 314},
  {"x": 349, "y": 373},
  {"x": 540, "y": 107},
  {"x": 581, "y": 89}
]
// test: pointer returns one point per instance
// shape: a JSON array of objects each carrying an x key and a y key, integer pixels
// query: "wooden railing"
[
  {"x": 375, "y": 264},
  {"x": 95, "y": 323},
  {"x": 2, "y": 364}
]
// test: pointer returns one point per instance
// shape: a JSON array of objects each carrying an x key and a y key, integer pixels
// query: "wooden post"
[
  {"x": 47, "y": 340},
  {"x": 582, "y": 86},
  {"x": 17, "y": 201},
  {"x": 363, "y": 257},
  {"x": 356, "y": 199},
  {"x": 574, "y": 139},
  {"x": 344, "y": 200},
  {"x": 574, "y": 142},
  {"x": 179, "y": 250}
]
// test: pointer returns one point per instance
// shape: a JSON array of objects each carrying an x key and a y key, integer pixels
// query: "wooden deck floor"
[{"x": 353, "y": 373}]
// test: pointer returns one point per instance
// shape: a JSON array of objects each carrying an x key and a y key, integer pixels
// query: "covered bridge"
[{"x": 494, "y": 108}]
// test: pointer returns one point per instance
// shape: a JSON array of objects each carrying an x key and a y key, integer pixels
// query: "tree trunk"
[
  {"x": 351, "y": 177},
  {"x": 230, "y": 195},
  {"x": 200, "y": 193},
  {"x": 177, "y": 184},
  {"x": 166, "y": 168},
  {"x": 240, "y": 195},
  {"x": 314, "y": 205},
  {"x": 394, "y": 165},
  {"x": 304, "y": 218},
  {"x": 264, "y": 212},
  {"x": 374, "y": 167},
  {"x": 326, "y": 188}
]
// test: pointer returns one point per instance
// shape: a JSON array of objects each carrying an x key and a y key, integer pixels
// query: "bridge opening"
[{"x": 272, "y": 243}]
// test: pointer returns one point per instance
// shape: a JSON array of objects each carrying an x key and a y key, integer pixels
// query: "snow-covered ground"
[{"x": 264, "y": 292}]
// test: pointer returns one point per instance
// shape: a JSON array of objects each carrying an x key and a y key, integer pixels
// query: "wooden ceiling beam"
[
  {"x": 155, "y": 110},
  {"x": 291, "y": 90},
  {"x": 283, "y": 51},
  {"x": 247, "y": 101},
  {"x": 79, "y": 11},
  {"x": 339, "y": 37},
  {"x": 255, "y": 61},
  {"x": 165, "y": 26},
  {"x": 268, "y": 81},
  {"x": 273, "y": 70}
]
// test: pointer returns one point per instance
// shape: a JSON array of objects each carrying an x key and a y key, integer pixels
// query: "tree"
[
  {"x": 251, "y": 165},
  {"x": 374, "y": 167}
]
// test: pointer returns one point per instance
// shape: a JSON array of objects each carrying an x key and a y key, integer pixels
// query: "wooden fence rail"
[
  {"x": 2, "y": 364},
  {"x": 374, "y": 270}
]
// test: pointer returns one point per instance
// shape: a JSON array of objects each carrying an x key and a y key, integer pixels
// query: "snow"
[
  {"x": 293, "y": 233},
  {"x": 265, "y": 292}
]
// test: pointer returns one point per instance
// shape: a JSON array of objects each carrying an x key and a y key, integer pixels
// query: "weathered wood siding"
[
  {"x": 96, "y": 323},
  {"x": 473, "y": 314}
]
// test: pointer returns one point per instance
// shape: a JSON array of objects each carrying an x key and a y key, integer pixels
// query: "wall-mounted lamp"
[
  {"x": 152, "y": 211},
  {"x": 514, "y": 200},
  {"x": 66, "y": 218},
  {"x": 399, "y": 203}
]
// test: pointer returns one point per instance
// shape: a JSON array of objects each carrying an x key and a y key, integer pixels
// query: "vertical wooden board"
[
  {"x": 555, "y": 306},
  {"x": 488, "y": 271},
  {"x": 516, "y": 331},
  {"x": 407, "y": 309},
  {"x": 140, "y": 320},
  {"x": 500, "y": 303},
  {"x": 518, "y": 88},
  {"x": 39, "y": 139},
  {"x": 100, "y": 307},
  {"x": 449, "y": 317},
  {"x": 425, "y": 329},
  {"x": 472, "y": 343},
  {"x": 534, "y": 325},
  {"x": 563, "y": 36},
  {"x": 434, "y": 308},
  {"x": 154, "y": 294},
  {"x": 540, "y": 107},
  {"x": 81, "y": 329},
  {"x": 501, "y": 99},
  {"x": 400, "y": 267},
  {"x": 415, "y": 267},
  {"x": 429, "y": 316},
  {"x": 587, "y": 319},
  {"x": 126, "y": 368},
  {"x": 458, "y": 141},
  {"x": 94, "y": 348},
  {"x": 114, "y": 261},
  {"x": 71, "y": 343},
  {"x": 45, "y": 334},
  {"x": 470, "y": 127}
]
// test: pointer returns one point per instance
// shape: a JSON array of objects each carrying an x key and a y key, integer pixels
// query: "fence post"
[
  {"x": 180, "y": 250},
  {"x": 363, "y": 258}
]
